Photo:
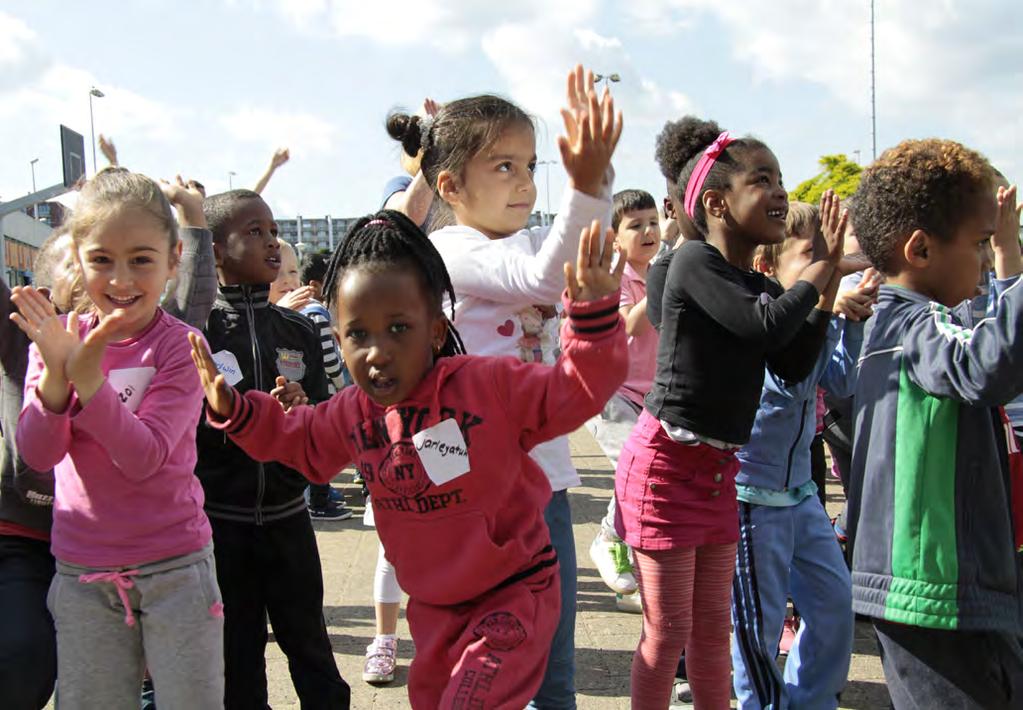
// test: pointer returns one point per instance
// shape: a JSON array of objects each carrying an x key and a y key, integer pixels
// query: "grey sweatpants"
[{"x": 178, "y": 633}]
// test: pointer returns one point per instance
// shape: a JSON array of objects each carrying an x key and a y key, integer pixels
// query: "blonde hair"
[
  {"x": 109, "y": 194},
  {"x": 803, "y": 219}
]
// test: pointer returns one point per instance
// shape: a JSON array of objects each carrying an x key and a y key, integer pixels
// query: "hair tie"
[
  {"x": 702, "y": 169},
  {"x": 384, "y": 222}
]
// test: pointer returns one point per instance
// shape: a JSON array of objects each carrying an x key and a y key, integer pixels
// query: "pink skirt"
[{"x": 674, "y": 495}]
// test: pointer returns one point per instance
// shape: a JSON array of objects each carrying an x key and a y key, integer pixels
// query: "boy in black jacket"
[{"x": 267, "y": 560}]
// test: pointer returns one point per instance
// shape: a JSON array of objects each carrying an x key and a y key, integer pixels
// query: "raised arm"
[
  {"x": 279, "y": 158},
  {"x": 308, "y": 439},
  {"x": 193, "y": 289}
]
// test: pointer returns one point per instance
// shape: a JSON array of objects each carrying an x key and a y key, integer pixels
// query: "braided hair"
[{"x": 387, "y": 239}]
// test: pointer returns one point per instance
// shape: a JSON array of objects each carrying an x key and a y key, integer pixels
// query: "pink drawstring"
[
  {"x": 217, "y": 610},
  {"x": 120, "y": 580}
]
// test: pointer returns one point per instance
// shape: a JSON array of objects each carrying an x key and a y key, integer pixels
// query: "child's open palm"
[
  {"x": 592, "y": 131},
  {"x": 592, "y": 277},
  {"x": 219, "y": 394},
  {"x": 833, "y": 223},
  {"x": 38, "y": 319}
]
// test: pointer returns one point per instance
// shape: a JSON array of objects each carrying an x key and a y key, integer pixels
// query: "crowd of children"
[{"x": 180, "y": 389}]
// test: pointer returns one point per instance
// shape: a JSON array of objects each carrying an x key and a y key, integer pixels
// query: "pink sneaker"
[
  {"x": 788, "y": 635},
  {"x": 381, "y": 658}
]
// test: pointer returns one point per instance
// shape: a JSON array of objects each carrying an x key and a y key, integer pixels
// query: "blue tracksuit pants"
[{"x": 788, "y": 552}]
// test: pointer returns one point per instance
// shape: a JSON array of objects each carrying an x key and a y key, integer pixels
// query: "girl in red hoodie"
[{"x": 441, "y": 439}]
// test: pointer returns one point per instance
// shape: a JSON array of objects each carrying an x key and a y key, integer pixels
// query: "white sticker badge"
[
  {"x": 227, "y": 365},
  {"x": 130, "y": 384},
  {"x": 443, "y": 451}
]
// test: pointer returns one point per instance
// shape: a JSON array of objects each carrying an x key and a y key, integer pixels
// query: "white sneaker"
[
  {"x": 381, "y": 658},
  {"x": 612, "y": 560},
  {"x": 629, "y": 603}
]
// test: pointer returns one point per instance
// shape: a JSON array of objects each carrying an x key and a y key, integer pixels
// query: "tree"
[{"x": 839, "y": 174}]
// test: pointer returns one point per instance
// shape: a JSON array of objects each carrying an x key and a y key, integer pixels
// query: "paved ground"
[{"x": 605, "y": 638}]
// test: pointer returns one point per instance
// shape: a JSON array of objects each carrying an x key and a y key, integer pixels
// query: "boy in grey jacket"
[{"x": 934, "y": 560}]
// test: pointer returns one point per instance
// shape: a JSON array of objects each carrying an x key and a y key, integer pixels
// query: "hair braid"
[{"x": 389, "y": 238}]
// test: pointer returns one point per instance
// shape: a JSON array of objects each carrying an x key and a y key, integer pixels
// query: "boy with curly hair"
[{"x": 934, "y": 560}]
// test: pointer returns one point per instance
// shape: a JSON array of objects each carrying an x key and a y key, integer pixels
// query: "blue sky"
[{"x": 203, "y": 88}]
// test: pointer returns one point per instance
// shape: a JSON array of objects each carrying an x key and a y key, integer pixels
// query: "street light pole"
[
  {"x": 873, "y": 84},
  {"x": 548, "y": 164},
  {"x": 230, "y": 180},
  {"x": 32, "y": 164},
  {"x": 92, "y": 125},
  {"x": 606, "y": 78}
]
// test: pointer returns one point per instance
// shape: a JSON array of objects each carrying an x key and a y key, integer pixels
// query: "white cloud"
[
  {"x": 301, "y": 132},
  {"x": 446, "y": 25}
]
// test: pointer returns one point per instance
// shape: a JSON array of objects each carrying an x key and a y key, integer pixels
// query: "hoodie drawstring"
[{"x": 122, "y": 582}]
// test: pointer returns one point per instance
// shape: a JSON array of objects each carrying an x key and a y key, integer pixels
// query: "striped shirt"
[{"x": 332, "y": 363}]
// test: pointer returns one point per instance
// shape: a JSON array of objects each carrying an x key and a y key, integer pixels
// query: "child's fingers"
[
  {"x": 617, "y": 131},
  {"x": 26, "y": 327},
  {"x": 593, "y": 109},
  {"x": 280, "y": 381},
  {"x": 623, "y": 256},
  {"x": 843, "y": 222},
  {"x": 571, "y": 128},
  {"x": 72, "y": 323},
  {"x": 608, "y": 250},
  {"x": 593, "y": 244},
  {"x": 570, "y": 283}
]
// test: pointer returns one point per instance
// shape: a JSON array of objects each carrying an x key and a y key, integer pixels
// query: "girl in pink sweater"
[
  {"x": 442, "y": 440},
  {"x": 111, "y": 403}
]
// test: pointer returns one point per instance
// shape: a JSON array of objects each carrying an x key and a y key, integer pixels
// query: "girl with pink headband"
[{"x": 675, "y": 482}]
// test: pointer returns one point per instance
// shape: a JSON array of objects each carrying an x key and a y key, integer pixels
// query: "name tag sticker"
[
  {"x": 227, "y": 365},
  {"x": 443, "y": 451},
  {"x": 130, "y": 384}
]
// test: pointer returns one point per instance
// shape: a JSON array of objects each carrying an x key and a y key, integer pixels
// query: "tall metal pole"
[
  {"x": 230, "y": 179},
  {"x": 873, "y": 84},
  {"x": 32, "y": 163},
  {"x": 548, "y": 164},
  {"x": 92, "y": 129}
]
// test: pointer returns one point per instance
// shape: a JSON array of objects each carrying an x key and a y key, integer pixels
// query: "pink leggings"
[{"x": 686, "y": 605}]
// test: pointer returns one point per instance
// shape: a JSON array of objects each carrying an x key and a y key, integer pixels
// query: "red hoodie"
[{"x": 451, "y": 543}]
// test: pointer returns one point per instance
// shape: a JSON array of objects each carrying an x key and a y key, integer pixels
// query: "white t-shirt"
[{"x": 503, "y": 288}]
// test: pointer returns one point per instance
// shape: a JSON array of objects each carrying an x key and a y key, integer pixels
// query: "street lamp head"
[
  {"x": 615, "y": 78},
  {"x": 97, "y": 93},
  {"x": 33, "y": 161}
]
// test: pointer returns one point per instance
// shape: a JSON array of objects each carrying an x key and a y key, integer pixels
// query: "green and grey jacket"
[{"x": 930, "y": 499}]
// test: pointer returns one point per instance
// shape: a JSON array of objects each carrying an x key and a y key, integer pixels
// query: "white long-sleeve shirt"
[{"x": 495, "y": 280}]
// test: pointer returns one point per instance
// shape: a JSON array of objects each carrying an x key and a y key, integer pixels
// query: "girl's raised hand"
[
  {"x": 592, "y": 277},
  {"x": 592, "y": 131},
  {"x": 833, "y": 223},
  {"x": 219, "y": 394},
  {"x": 38, "y": 319},
  {"x": 84, "y": 363}
]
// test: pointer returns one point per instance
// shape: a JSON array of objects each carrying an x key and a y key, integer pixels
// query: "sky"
[{"x": 205, "y": 88}]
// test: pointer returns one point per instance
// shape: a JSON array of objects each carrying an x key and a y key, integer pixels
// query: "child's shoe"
[
  {"x": 612, "y": 560},
  {"x": 629, "y": 603},
  {"x": 330, "y": 511},
  {"x": 381, "y": 659}
]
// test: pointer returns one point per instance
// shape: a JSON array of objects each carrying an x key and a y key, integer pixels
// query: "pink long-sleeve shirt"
[{"x": 125, "y": 489}]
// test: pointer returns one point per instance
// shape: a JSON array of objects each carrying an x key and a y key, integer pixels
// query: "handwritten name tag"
[
  {"x": 443, "y": 451},
  {"x": 130, "y": 384},
  {"x": 227, "y": 365}
]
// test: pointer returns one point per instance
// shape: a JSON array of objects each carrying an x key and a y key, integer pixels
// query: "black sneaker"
[{"x": 330, "y": 511}]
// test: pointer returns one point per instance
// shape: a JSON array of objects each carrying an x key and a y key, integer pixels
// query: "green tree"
[{"x": 839, "y": 174}]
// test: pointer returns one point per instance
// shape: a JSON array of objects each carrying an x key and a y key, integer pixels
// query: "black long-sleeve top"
[{"x": 719, "y": 326}]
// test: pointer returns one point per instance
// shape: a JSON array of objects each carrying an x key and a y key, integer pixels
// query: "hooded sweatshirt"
[{"x": 452, "y": 539}]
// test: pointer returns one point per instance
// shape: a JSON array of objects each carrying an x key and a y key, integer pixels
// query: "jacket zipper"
[
  {"x": 258, "y": 383},
  {"x": 792, "y": 450}
]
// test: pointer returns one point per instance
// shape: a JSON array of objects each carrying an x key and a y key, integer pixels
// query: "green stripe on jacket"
[{"x": 925, "y": 565}]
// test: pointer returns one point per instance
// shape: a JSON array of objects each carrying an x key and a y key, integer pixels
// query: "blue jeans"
[
  {"x": 782, "y": 553},
  {"x": 557, "y": 692}
]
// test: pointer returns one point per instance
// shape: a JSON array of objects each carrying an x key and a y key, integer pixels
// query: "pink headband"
[{"x": 702, "y": 169}]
